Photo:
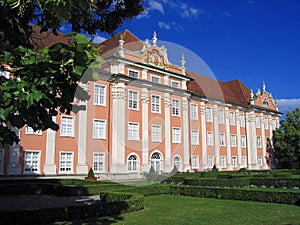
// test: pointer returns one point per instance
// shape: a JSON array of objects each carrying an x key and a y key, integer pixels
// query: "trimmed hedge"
[
  {"x": 239, "y": 194},
  {"x": 217, "y": 182}
]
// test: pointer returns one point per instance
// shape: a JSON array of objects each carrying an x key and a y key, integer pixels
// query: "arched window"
[
  {"x": 156, "y": 162},
  {"x": 132, "y": 163},
  {"x": 177, "y": 162}
]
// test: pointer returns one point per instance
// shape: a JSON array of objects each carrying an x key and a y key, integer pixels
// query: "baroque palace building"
[{"x": 145, "y": 111}]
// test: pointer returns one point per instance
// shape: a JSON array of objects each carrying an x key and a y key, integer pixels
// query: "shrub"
[
  {"x": 152, "y": 176},
  {"x": 91, "y": 173}
]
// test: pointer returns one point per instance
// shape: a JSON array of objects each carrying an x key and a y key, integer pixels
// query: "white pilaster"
[
  {"x": 251, "y": 140},
  {"x": 118, "y": 128},
  {"x": 166, "y": 80},
  {"x": 184, "y": 86},
  {"x": 186, "y": 132},
  {"x": 228, "y": 141},
  {"x": 145, "y": 129},
  {"x": 203, "y": 136},
  {"x": 168, "y": 160},
  {"x": 50, "y": 167},
  {"x": 216, "y": 132},
  {"x": 263, "y": 142},
  {"x": 238, "y": 137},
  {"x": 82, "y": 167},
  {"x": 144, "y": 74}
]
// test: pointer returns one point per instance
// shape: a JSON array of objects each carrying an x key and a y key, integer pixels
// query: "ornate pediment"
[{"x": 155, "y": 58}]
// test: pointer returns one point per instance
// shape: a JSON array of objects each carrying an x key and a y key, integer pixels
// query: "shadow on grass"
[{"x": 93, "y": 221}]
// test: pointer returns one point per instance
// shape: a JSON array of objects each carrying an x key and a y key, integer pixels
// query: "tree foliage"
[
  {"x": 44, "y": 79},
  {"x": 286, "y": 138}
]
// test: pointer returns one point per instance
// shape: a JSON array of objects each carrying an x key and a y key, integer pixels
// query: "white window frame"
[
  {"x": 98, "y": 165},
  {"x": 154, "y": 105},
  {"x": 258, "y": 141},
  {"x": 210, "y": 161},
  {"x": 133, "y": 97},
  {"x": 29, "y": 131},
  {"x": 233, "y": 140},
  {"x": 32, "y": 164},
  {"x": 259, "y": 160},
  {"x": 98, "y": 133},
  {"x": 266, "y": 123},
  {"x": 67, "y": 133},
  {"x": 257, "y": 121},
  {"x": 232, "y": 118},
  {"x": 99, "y": 97},
  {"x": 176, "y": 135},
  {"x": 133, "y": 131},
  {"x": 234, "y": 161},
  {"x": 156, "y": 133},
  {"x": 223, "y": 161},
  {"x": 175, "y": 107},
  {"x": 221, "y": 116},
  {"x": 209, "y": 117},
  {"x": 195, "y": 162},
  {"x": 210, "y": 138},
  {"x": 136, "y": 73},
  {"x": 222, "y": 139},
  {"x": 175, "y": 84},
  {"x": 242, "y": 120},
  {"x": 195, "y": 137},
  {"x": 133, "y": 165},
  {"x": 155, "y": 77},
  {"x": 177, "y": 163},
  {"x": 243, "y": 141},
  {"x": 194, "y": 112},
  {"x": 244, "y": 161},
  {"x": 60, "y": 162}
]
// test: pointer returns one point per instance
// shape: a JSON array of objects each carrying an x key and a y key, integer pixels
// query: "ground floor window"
[
  {"x": 156, "y": 161},
  {"x": 259, "y": 161},
  {"x": 66, "y": 162},
  {"x": 234, "y": 161},
  {"x": 244, "y": 161},
  {"x": 195, "y": 162},
  {"x": 98, "y": 162},
  {"x": 177, "y": 163},
  {"x": 31, "y": 161},
  {"x": 210, "y": 161},
  {"x": 1, "y": 160},
  {"x": 223, "y": 161},
  {"x": 132, "y": 163}
]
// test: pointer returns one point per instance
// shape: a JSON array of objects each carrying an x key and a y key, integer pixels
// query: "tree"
[
  {"x": 44, "y": 79},
  {"x": 286, "y": 139}
]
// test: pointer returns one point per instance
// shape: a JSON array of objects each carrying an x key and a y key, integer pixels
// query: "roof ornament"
[
  {"x": 154, "y": 39},
  {"x": 182, "y": 64},
  {"x": 251, "y": 97},
  {"x": 258, "y": 92},
  {"x": 147, "y": 43},
  {"x": 121, "y": 43},
  {"x": 263, "y": 87}
]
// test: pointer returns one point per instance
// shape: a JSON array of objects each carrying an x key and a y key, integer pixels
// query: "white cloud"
[
  {"x": 154, "y": 5},
  {"x": 188, "y": 11},
  {"x": 95, "y": 39},
  {"x": 144, "y": 14},
  {"x": 250, "y": 2},
  {"x": 163, "y": 25},
  {"x": 285, "y": 105}
]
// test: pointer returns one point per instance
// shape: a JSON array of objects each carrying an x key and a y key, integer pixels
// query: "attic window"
[
  {"x": 133, "y": 73},
  {"x": 265, "y": 102}
]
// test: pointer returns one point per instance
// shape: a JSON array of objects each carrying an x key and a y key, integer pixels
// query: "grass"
[{"x": 167, "y": 209}]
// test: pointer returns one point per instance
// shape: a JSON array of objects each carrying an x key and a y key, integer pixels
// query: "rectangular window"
[
  {"x": 155, "y": 79},
  {"x": 133, "y": 100},
  {"x": 195, "y": 137},
  {"x": 29, "y": 130},
  {"x": 210, "y": 139},
  {"x": 233, "y": 140},
  {"x": 99, "y": 95},
  {"x": 176, "y": 135},
  {"x": 257, "y": 122},
  {"x": 209, "y": 114},
  {"x": 133, "y": 131},
  {"x": 244, "y": 161},
  {"x": 234, "y": 161},
  {"x": 259, "y": 161},
  {"x": 175, "y": 107},
  {"x": 221, "y": 116},
  {"x": 31, "y": 162},
  {"x": 222, "y": 139},
  {"x": 223, "y": 161},
  {"x": 231, "y": 119},
  {"x": 210, "y": 161},
  {"x": 194, "y": 112},
  {"x": 266, "y": 122},
  {"x": 66, "y": 162},
  {"x": 99, "y": 129},
  {"x": 133, "y": 73},
  {"x": 243, "y": 140},
  {"x": 156, "y": 133},
  {"x": 155, "y": 104},
  {"x": 195, "y": 162},
  {"x": 175, "y": 84},
  {"x": 259, "y": 142},
  {"x": 242, "y": 120},
  {"x": 98, "y": 162},
  {"x": 67, "y": 126}
]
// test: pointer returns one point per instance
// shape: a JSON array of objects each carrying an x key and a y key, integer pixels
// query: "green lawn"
[{"x": 167, "y": 209}]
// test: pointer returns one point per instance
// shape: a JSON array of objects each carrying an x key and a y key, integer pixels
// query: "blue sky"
[{"x": 249, "y": 40}]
